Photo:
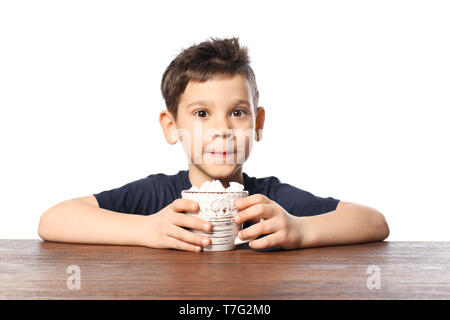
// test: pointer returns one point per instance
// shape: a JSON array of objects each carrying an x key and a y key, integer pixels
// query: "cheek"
[
  {"x": 186, "y": 137},
  {"x": 244, "y": 144},
  {"x": 244, "y": 136}
]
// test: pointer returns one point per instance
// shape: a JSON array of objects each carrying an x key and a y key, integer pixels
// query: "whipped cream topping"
[{"x": 216, "y": 186}]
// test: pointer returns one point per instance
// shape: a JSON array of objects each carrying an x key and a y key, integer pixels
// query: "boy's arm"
[
  {"x": 349, "y": 223},
  {"x": 81, "y": 220}
]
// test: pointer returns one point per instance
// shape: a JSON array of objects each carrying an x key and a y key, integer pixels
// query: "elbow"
[
  {"x": 41, "y": 227},
  {"x": 44, "y": 226},
  {"x": 48, "y": 220},
  {"x": 381, "y": 227},
  {"x": 387, "y": 231}
]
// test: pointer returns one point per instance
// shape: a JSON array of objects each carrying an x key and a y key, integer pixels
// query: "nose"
[
  {"x": 223, "y": 133},
  {"x": 222, "y": 128}
]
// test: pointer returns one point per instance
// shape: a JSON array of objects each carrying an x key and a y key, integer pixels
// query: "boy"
[{"x": 212, "y": 109}]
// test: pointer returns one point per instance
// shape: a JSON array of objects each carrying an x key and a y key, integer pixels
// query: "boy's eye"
[
  {"x": 200, "y": 112},
  {"x": 239, "y": 112},
  {"x": 236, "y": 113}
]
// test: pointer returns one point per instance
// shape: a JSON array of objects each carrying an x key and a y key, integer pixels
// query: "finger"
[
  {"x": 180, "y": 245},
  {"x": 255, "y": 220},
  {"x": 268, "y": 241},
  {"x": 185, "y": 220},
  {"x": 185, "y": 205},
  {"x": 263, "y": 227},
  {"x": 189, "y": 236},
  {"x": 260, "y": 210},
  {"x": 246, "y": 202}
]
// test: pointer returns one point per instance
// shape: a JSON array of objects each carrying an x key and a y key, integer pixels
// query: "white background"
[{"x": 356, "y": 94}]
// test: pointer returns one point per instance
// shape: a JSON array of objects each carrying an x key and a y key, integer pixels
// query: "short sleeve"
[
  {"x": 137, "y": 197},
  {"x": 326, "y": 204},
  {"x": 303, "y": 203}
]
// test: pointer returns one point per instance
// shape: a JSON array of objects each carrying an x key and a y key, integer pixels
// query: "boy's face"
[{"x": 216, "y": 124}]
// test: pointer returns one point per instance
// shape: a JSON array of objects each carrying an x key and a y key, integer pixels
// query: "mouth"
[{"x": 221, "y": 154}]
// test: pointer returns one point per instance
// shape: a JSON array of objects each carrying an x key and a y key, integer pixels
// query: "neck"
[{"x": 197, "y": 177}]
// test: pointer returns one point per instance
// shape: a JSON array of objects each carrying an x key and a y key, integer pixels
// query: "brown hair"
[{"x": 203, "y": 61}]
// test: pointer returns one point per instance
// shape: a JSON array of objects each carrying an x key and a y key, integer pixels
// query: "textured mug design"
[
  {"x": 215, "y": 203},
  {"x": 221, "y": 207},
  {"x": 217, "y": 208}
]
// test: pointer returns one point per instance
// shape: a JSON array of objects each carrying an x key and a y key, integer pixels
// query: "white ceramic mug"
[{"x": 218, "y": 209}]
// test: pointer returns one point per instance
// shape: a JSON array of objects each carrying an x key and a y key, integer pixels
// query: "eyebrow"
[{"x": 208, "y": 102}]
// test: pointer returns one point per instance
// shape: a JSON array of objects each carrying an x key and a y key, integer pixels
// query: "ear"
[
  {"x": 168, "y": 126},
  {"x": 259, "y": 123}
]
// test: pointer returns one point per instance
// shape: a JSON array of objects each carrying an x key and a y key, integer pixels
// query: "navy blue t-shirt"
[{"x": 150, "y": 195}]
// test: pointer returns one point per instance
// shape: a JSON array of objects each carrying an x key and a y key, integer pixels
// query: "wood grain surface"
[{"x": 35, "y": 269}]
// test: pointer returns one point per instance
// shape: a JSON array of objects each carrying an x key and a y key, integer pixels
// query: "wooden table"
[{"x": 34, "y": 269}]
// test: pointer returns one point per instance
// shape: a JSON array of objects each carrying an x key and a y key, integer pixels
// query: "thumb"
[{"x": 181, "y": 205}]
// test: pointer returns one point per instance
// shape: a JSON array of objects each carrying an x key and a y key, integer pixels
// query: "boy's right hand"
[{"x": 164, "y": 229}]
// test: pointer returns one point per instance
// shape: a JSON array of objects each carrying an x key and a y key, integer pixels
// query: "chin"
[{"x": 220, "y": 171}]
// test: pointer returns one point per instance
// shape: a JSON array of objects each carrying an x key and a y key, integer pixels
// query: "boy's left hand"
[{"x": 283, "y": 229}]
